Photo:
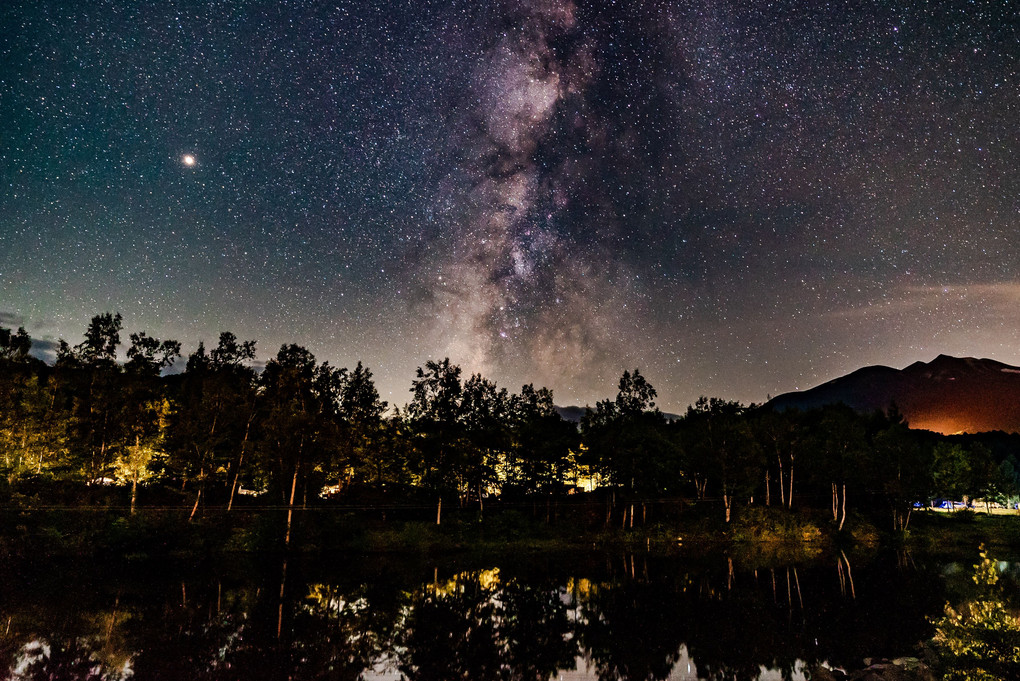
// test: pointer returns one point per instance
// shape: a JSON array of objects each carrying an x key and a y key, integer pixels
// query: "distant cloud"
[
  {"x": 11, "y": 320},
  {"x": 966, "y": 299},
  {"x": 44, "y": 349}
]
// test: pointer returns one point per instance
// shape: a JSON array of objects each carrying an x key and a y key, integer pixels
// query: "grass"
[
  {"x": 965, "y": 528},
  {"x": 754, "y": 529}
]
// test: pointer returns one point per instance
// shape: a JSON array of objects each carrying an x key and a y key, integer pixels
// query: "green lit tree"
[
  {"x": 30, "y": 438},
  {"x": 980, "y": 639}
]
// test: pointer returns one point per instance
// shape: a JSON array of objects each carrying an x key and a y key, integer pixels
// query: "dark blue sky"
[{"x": 740, "y": 198}]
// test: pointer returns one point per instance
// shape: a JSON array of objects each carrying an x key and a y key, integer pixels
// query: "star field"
[{"x": 740, "y": 198}]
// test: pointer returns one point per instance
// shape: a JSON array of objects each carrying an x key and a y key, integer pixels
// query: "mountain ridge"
[{"x": 946, "y": 395}]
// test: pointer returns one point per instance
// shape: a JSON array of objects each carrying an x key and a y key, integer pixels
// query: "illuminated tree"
[
  {"x": 980, "y": 639},
  {"x": 29, "y": 437},
  {"x": 781, "y": 436}
]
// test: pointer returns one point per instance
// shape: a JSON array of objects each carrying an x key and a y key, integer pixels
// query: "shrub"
[{"x": 979, "y": 640}]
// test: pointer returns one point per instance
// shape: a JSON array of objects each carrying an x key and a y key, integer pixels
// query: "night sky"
[{"x": 740, "y": 198}]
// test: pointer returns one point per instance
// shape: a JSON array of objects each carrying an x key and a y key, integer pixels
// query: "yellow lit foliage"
[{"x": 979, "y": 641}]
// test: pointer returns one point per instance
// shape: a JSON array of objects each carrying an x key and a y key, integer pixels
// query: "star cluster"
[{"x": 740, "y": 198}]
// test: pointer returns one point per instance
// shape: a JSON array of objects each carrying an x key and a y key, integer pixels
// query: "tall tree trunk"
[
  {"x": 768, "y": 496},
  {"x": 789, "y": 497},
  {"x": 849, "y": 574},
  {"x": 290, "y": 505},
  {"x": 283, "y": 584},
  {"x": 240, "y": 460},
  {"x": 194, "y": 509},
  {"x": 134, "y": 476},
  {"x": 782, "y": 490},
  {"x": 102, "y": 461},
  {"x": 134, "y": 491},
  {"x": 233, "y": 486},
  {"x": 843, "y": 509},
  {"x": 439, "y": 510}
]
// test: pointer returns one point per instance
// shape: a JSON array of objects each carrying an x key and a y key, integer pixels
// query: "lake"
[{"x": 593, "y": 615}]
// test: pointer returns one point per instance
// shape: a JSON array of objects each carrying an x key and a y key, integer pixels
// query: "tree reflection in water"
[
  {"x": 636, "y": 617},
  {"x": 481, "y": 626}
]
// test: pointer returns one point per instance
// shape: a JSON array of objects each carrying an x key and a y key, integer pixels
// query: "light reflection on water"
[
  {"x": 684, "y": 670},
  {"x": 575, "y": 618}
]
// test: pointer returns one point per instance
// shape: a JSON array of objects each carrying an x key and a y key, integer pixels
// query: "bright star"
[{"x": 188, "y": 160}]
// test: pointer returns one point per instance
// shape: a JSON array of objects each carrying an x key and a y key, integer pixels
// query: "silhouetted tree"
[
  {"x": 90, "y": 375},
  {"x": 212, "y": 423},
  {"x": 14, "y": 347},
  {"x": 840, "y": 438},
  {"x": 485, "y": 415},
  {"x": 298, "y": 427},
  {"x": 720, "y": 451},
  {"x": 360, "y": 427},
  {"x": 951, "y": 471},
  {"x": 781, "y": 437},
  {"x": 899, "y": 466},
  {"x": 435, "y": 417},
  {"x": 541, "y": 442},
  {"x": 627, "y": 441}
]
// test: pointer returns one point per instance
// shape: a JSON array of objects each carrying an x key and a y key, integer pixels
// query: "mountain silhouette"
[{"x": 947, "y": 395}]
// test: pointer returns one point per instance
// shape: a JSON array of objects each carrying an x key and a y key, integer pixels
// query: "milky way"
[{"x": 739, "y": 198}]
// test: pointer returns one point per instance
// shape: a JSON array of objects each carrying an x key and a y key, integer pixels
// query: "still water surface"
[{"x": 541, "y": 616}]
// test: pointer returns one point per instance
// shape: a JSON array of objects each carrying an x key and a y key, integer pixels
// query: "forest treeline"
[{"x": 300, "y": 431}]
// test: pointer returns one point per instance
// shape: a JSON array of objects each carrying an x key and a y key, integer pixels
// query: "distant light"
[{"x": 188, "y": 160}]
